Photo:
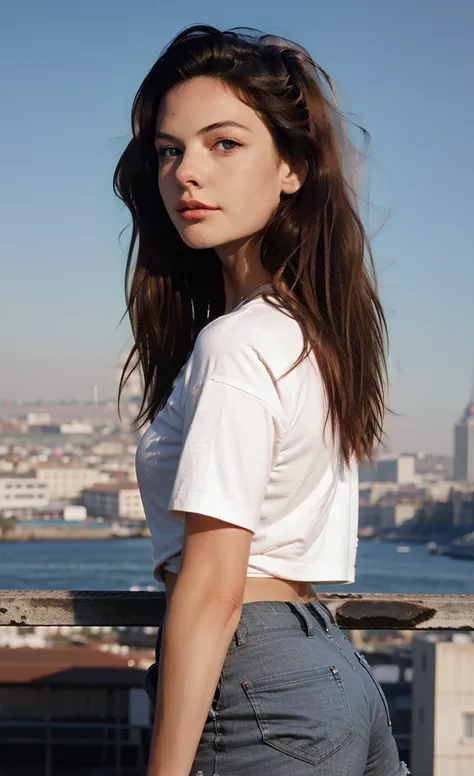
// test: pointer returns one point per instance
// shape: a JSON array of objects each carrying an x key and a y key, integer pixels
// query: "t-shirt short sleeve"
[{"x": 230, "y": 436}]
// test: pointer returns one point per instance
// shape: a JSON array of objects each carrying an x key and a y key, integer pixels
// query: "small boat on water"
[
  {"x": 437, "y": 549},
  {"x": 403, "y": 548},
  {"x": 124, "y": 532},
  {"x": 463, "y": 548}
]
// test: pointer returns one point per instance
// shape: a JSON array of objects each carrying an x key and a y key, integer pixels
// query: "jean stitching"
[
  {"x": 262, "y": 640},
  {"x": 324, "y": 752},
  {"x": 370, "y": 672},
  {"x": 343, "y": 653},
  {"x": 215, "y": 719}
]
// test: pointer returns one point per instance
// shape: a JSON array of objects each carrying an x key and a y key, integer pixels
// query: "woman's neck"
[{"x": 243, "y": 271}]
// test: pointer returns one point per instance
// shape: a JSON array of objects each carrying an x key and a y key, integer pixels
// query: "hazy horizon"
[{"x": 69, "y": 76}]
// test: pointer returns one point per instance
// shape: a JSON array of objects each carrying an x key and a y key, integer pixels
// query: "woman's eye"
[
  {"x": 168, "y": 153},
  {"x": 227, "y": 144},
  {"x": 171, "y": 152}
]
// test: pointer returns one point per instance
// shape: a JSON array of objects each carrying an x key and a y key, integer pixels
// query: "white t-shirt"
[{"x": 235, "y": 444}]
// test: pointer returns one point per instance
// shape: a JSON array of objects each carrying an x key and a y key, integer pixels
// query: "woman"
[{"x": 260, "y": 337}]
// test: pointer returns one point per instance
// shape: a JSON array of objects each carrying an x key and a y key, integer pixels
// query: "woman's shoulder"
[
  {"x": 258, "y": 329},
  {"x": 250, "y": 349}
]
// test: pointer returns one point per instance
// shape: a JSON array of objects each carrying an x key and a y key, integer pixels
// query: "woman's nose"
[{"x": 189, "y": 170}]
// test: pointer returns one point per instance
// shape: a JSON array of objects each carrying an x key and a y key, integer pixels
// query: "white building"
[
  {"x": 114, "y": 500},
  {"x": 66, "y": 481},
  {"x": 20, "y": 495},
  {"x": 443, "y": 707},
  {"x": 127, "y": 468},
  {"x": 399, "y": 469},
  {"x": 464, "y": 446},
  {"x": 76, "y": 427},
  {"x": 74, "y": 513},
  {"x": 395, "y": 469},
  {"x": 38, "y": 418},
  {"x": 397, "y": 514},
  {"x": 109, "y": 449}
]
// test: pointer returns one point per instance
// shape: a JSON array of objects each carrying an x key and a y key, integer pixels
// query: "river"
[{"x": 119, "y": 564}]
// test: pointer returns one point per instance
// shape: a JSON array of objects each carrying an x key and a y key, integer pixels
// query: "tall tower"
[{"x": 464, "y": 443}]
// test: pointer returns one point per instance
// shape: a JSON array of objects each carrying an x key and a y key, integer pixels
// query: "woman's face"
[{"x": 214, "y": 149}]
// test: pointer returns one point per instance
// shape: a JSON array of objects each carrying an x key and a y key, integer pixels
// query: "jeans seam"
[
  {"x": 215, "y": 720},
  {"x": 291, "y": 632},
  {"x": 356, "y": 673},
  {"x": 214, "y": 713},
  {"x": 379, "y": 689}
]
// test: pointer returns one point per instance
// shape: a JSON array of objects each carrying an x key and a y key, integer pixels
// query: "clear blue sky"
[{"x": 69, "y": 72}]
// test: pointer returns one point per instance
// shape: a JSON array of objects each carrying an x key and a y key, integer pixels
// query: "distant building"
[
  {"x": 394, "y": 672},
  {"x": 400, "y": 469},
  {"x": 368, "y": 472},
  {"x": 464, "y": 446},
  {"x": 76, "y": 427},
  {"x": 133, "y": 388},
  {"x": 80, "y": 709},
  {"x": 443, "y": 707},
  {"x": 67, "y": 481},
  {"x": 74, "y": 513},
  {"x": 397, "y": 469},
  {"x": 114, "y": 500},
  {"x": 21, "y": 495},
  {"x": 109, "y": 449},
  {"x": 397, "y": 514},
  {"x": 463, "y": 509},
  {"x": 38, "y": 419}
]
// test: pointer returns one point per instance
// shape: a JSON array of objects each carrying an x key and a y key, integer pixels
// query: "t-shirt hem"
[
  {"x": 234, "y": 515},
  {"x": 169, "y": 560},
  {"x": 316, "y": 573}
]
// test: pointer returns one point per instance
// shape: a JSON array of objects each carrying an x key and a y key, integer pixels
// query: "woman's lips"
[{"x": 195, "y": 213}]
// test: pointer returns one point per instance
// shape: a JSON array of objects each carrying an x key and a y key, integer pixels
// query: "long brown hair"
[{"x": 315, "y": 241}]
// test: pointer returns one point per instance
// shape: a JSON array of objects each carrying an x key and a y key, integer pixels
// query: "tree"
[{"x": 7, "y": 524}]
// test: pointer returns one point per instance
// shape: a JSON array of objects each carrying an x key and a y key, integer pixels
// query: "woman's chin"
[{"x": 194, "y": 238}]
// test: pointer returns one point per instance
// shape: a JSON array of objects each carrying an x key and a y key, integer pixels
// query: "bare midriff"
[{"x": 260, "y": 589}]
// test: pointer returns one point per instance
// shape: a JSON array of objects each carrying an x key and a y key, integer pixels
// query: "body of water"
[{"x": 118, "y": 564}]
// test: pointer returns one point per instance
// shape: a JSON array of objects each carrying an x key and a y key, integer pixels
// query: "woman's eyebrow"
[{"x": 217, "y": 125}]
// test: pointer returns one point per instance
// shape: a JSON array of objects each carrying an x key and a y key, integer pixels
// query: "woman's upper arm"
[
  {"x": 233, "y": 422},
  {"x": 215, "y": 555}
]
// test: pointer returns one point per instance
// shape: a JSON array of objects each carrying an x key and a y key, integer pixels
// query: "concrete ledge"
[{"x": 351, "y": 610}]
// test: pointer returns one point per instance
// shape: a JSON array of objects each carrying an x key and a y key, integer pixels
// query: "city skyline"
[{"x": 73, "y": 73}]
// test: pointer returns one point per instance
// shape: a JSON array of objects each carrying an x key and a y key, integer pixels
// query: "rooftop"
[
  {"x": 111, "y": 487},
  {"x": 66, "y": 665}
]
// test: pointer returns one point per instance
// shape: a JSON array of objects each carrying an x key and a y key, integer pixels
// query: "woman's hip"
[{"x": 292, "y": 695}]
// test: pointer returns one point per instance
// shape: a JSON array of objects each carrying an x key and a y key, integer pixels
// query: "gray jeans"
[{"x": 294, "y": 699}]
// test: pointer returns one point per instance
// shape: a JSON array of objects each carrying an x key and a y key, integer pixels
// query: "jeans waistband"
[{"x": 260, "y": 616}]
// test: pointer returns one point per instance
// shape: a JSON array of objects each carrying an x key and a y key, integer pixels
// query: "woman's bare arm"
[{"x": 203, "y": 613}]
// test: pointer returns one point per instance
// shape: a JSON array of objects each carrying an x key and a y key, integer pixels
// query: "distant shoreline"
[
  {"x": 47, "y": 533},
  {"x": 24, "y": 534}
]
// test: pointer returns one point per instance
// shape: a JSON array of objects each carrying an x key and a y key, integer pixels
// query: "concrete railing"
[{"x": 352, "y": 611}]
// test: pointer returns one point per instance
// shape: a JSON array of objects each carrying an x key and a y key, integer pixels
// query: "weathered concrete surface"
[
  {"x": 402, "y": 612},
  {"x": 351, "y": 610}
]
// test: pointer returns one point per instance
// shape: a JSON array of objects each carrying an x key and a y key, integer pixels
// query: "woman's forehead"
[{"x": 202, "y": 102}]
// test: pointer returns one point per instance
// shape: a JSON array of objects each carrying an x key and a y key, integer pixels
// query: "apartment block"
[
  {"x": 114, "y": 500},
  {"x": 66, "y": 481},
  {"x": 19, "y": 494},
  {"x": 443, "y": 707}
]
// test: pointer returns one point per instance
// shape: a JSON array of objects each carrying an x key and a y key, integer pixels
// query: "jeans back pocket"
[{"x": 304, "y": 714}]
